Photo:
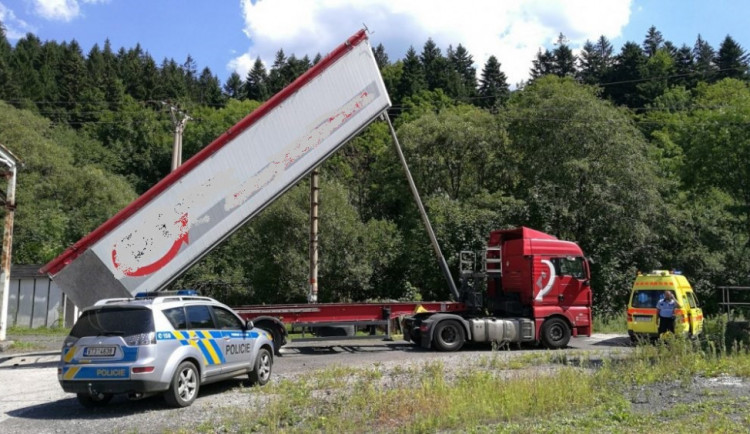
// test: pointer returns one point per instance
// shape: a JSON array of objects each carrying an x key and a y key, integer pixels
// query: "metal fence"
[{"x": 36, "y": 301}]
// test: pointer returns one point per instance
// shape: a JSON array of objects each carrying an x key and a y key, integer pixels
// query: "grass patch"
[
  {"x": 39, "y": 331},
  {"x": 611, "y": 323},
  {"x": 556, "y": 392},
  {"x": 24, "y": 346}
]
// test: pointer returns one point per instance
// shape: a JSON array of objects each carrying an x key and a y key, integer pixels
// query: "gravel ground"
[{"x": 32, "y": 400}]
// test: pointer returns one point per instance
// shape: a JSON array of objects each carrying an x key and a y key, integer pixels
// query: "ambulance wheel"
[
  {"x": 555, "y": 333},
  {"x": 91, "y": 401},
  {"x": 185, "y": 385},
  {"x": 449, "y": 336},
  {"x": 261, "y": 372}
]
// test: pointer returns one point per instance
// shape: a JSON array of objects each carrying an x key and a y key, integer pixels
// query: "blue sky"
[{"x": 227, "y": 35}]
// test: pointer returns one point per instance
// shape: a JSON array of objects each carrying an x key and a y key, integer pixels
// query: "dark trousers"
[{"x": 666, "y": 324}]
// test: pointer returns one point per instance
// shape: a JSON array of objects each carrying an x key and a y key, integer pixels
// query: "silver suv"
[{"x": 169, "y": 343}]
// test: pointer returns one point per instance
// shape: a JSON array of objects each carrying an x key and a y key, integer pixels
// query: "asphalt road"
[{"x": 31, "y": 400}]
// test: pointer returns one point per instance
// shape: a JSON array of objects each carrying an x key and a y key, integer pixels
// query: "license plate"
[
  {"x": 641, "y": 318},
  {"x": 99, "y": 351}
]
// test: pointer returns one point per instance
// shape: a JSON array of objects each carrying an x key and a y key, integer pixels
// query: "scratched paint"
[{"x": 153, "y": 245}]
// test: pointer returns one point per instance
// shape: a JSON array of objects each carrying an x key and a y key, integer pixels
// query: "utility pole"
[
  {"x": 179, "y": 119},
  {"x": 9, "y": 200},
  {"x": 312, "y": 297}
]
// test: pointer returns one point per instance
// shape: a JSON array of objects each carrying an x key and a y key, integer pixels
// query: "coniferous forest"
[{"x": 641, "y": 155}]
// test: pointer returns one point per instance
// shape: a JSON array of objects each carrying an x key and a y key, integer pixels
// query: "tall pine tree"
[
  {"x": 256, "y": 83},
  {"x": 493, "y": 85},
  {"x": 704, "y": 55},
  {"x": 233, "y": 86},
  {"x": 412, "y": 79},
  {"x": 654, "y": 40},
  {"x": 596, "y": 61},
  {"x": 731, "y": 60}
]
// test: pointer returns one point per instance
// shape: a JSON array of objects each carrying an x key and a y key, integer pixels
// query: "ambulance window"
[
  {"x": 692, "y": 300},
  {"x": 199, "y": 317},
  {"x": 176, "y": 317},
  {"x": 226, "y": 319}
]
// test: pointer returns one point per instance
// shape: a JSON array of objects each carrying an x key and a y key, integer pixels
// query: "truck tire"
[
  {"x": 184, "y": 387},
  {"x": 555, "y": 333},
  {"x": 448, "y": 336},
  {"x": 278, "y": 334}
]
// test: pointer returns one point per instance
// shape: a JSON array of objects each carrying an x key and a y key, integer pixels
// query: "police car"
[{"x": 165, "y": 342}]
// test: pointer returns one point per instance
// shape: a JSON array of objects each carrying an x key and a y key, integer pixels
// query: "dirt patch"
[{"x": 656, "y": 398}]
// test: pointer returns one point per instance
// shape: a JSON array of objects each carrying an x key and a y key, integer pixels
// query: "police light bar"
[{"x": 154, "y": 294}]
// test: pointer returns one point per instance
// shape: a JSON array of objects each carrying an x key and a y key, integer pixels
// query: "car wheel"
[
  {"x": 555, "y": 333},
  {"x": 449, "y": 336},
  {"x": 90, "y": 401},
  {"x": 184, "y": 387},
  {"x": 261, "y": 372}
]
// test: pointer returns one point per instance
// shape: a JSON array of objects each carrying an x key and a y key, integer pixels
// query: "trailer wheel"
[
  {"x": 449, "y": 336},
  {"x": 278, "y": 333},
  {"x": 555, "y": 333}
]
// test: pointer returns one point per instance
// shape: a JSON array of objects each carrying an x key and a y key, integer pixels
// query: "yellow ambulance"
[{"x": 647, "y": 290}]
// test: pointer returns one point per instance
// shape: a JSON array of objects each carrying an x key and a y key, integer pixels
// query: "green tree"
[
  {"x": 585, "y": 176},
  {"x": 256, "y": 85},
  {"x": 596, "y": 61},
  {"x": 412, "y": 78},
  {"x": 462, "y": 79},
  {"x": 656, "y": 74},
  {"x": 209, "y": 90},
  {"x": 716, "y": 144},
  {"x": 704, "y": 59},
  {"x": 731, "y": 60},
  {"x": 493, "y": 85},
  {"x": 381, "y": 57},
  {"x": 435, "y": 66},
  {"x": 59, "y": 199},
  {"x": 276, "y": 79},
  {"x": 626, "y": 75},
  {"x": 564, "y": 59},
  {"x": 233, "y": 86},
  {"x": 653, "y": 42},
  {"x": 458, "y": 152}
]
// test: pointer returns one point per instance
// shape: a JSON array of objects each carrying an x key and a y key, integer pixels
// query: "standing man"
[{"x": 666, "y": 307}]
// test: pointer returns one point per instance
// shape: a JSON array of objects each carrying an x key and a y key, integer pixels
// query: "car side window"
[
  {"x": 176, "y": 317},
  {"x": 226, "y": 320},
  {"x": 199, "y": 317},
  {"x": 569, "y": 266},
  {"x": 692, "y": 300}
]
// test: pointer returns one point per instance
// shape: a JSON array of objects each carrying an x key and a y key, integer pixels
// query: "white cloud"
[
  {"x": 512, "y": 30},
  {"x": 61, "y": 10},
  {"x": 15, "y": 28},
  {"x": 242, "y": 65}
]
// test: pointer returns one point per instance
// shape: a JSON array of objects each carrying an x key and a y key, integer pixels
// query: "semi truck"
[{"x": 534, "y": 287}]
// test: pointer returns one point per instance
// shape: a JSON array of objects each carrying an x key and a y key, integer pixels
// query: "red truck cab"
[
  {"x": 537, "y": 290},
  {"x": 535, "y": 275}
]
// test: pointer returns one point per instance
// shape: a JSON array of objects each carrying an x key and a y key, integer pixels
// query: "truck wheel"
[
  {"x": 555, "y": 333},
  {"x": 277, "y": 334},
  {"x": 93, "y": 401},
  {"x": 261, "y": 372},
  {"x": 449, "y": 336},
  {"x": 184, "y": 388}
]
